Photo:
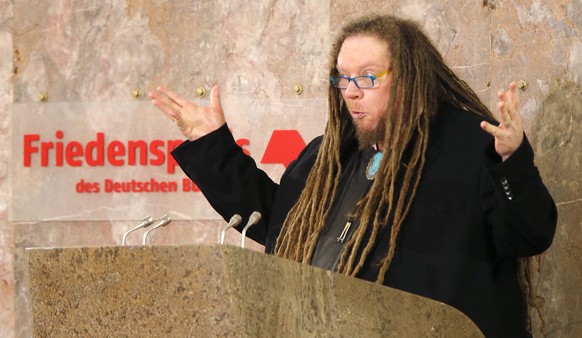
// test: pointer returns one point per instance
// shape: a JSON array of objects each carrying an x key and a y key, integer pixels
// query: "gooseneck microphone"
[
  {"x": 163, "y": 221},
  {"x": 234, "y": 221},
  {"x": 253, "y": 219},
  {"x": 144, "y": 223}
]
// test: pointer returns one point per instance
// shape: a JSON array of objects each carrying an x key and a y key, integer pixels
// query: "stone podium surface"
[{"x": 218, "y": 291}]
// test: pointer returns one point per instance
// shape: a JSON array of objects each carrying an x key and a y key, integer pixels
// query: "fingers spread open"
[
  {"x": 165, "y": 100},
  {"x": 174, "y": 98}
]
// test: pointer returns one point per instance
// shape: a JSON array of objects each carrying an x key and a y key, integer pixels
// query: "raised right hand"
[
  {"x": 194, "y": 121},
  {"x": 509, "y": 133}
]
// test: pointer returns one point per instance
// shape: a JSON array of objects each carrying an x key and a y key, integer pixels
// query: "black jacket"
[{"x": 472, "y": 217}]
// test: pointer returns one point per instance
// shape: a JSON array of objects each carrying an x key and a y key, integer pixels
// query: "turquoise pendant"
[{"x": 373, "y": 166}]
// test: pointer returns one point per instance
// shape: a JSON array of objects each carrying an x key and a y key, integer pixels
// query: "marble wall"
[{"x": 92, "y": 51}]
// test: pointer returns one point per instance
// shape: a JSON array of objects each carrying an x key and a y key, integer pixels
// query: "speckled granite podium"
[{"x": 217, "y": 291}]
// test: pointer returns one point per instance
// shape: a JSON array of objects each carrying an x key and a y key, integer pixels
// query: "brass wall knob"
[
  {"x": 298, "y": 89},
  {"x": 200, "y": 91},
  {"x": 521, "y": 85},
  {"x": 136, "y": 93},
  {"x": 43, "y": 96}
]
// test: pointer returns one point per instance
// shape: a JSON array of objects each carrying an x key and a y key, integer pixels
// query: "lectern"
[{"x": 217, "y": 291}]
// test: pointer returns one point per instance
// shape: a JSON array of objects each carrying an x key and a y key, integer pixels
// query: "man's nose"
[{"x": 352, "y": 91}]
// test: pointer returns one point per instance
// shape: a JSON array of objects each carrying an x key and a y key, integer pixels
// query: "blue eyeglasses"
[{"x": 362, "y": 82}]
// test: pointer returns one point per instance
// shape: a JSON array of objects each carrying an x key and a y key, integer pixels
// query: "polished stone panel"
[
  {"x": 7, "y": 246},
  {"x": 94, "y": 53}
]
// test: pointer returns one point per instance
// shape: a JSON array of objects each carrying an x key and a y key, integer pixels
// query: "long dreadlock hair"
[{"x": 420, "y": 80}]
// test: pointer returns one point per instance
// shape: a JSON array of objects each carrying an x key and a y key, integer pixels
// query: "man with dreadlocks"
[{"x": 413, "y": 184}]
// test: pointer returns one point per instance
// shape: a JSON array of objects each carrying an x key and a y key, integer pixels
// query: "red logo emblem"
[{"x": 284, "y": 147}]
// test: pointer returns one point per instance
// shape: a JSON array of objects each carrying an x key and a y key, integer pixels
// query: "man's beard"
[{"x": 367, "y": 138}]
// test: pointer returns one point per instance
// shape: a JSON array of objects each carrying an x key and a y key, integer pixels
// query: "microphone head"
[
  {"x": 163, "y": 221},
  {"x": 146, "y": 221},
  {"x": 234, "y": 220},
  {"x": 255, "y": 217}
]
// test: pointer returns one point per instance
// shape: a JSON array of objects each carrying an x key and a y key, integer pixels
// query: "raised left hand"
[
  {"x": 509, "y": 134},
  {"x": 194, "y": 121}
]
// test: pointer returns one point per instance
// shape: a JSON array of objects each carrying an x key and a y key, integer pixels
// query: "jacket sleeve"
[
  {"x": 228, "y": 178},
  {"x": 520, "y": 210}
]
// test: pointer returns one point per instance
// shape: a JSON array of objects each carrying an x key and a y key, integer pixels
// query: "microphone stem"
[{"x": 145, "y": 222}]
